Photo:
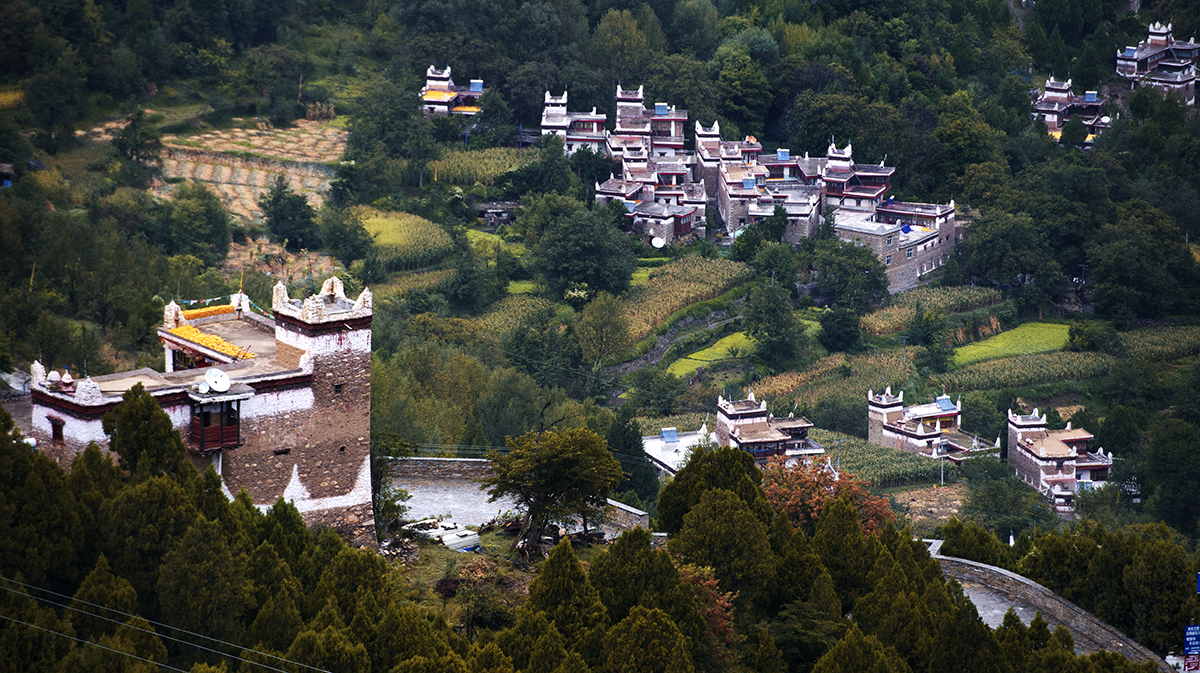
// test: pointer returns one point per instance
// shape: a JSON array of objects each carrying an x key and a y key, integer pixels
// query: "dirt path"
[{"x": 665, "y": 341}]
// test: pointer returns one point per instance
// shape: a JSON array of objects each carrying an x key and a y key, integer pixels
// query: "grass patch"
[
  {"x": 11, "y": 97},
  {"x": 520, "y": 286},
  {"x": 1032, "y": 337},
  {"x": 484, "y": 239},
  {"x": 722, "y": 350},
  {"x": 641, "y": 276}
]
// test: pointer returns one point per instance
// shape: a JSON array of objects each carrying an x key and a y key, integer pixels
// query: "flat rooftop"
[{"x": 240, "y": 332}]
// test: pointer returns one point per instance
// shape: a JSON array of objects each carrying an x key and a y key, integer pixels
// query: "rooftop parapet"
[{"x": 328, "y": 306}]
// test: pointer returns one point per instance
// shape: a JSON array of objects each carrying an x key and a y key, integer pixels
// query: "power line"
[
  {"x": 153, "y": 623},
  {"x": 88, "y": 642}
]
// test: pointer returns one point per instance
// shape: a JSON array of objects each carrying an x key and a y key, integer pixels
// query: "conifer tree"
[
  {"x": 630, "y": 573},
  {"x": 707, "y": 469},
  {"x": 143, "y": 437},
  {"x": 646, "y": 641},
  {"x": 723, "y": 533},
  {"x": 489, "y": 659},
  {"x": 856, "y": 653},
  {"x": 563, "y": 592},
  {"x": 276, "y": 623},
  {"x": 839, "y": 544},
  {"x": 216, "y": 605},
  {"x": 102, "y": 588}
]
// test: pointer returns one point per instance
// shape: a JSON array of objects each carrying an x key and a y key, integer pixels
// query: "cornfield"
[
  {"x": 510, "y": 312},
  {"x": 1026, "y": 370},
  {"x": 1162, "y": 343},
  {"x": 676, "y": 285},
  {"x": 307, "y": 141},
  {"x": 482, "y": 166},
  {"x": 788, "y": 382},
  {"x": 11, "y": 98},
  {"x": 882, "y": 466},
  {"x": 426, "y": 280},
  {"x": 406, "y": 241},
  {"x": 873, "y": 371},
  {"x": 239, "y": 183},
  {"x": 689, "y": 422},
  {"x": 946, "y": 299}
]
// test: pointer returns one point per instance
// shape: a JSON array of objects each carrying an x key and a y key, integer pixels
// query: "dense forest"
[{"x": 182, "y": 151}]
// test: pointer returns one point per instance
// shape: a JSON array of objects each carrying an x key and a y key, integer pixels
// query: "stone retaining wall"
[
  {"x": 460, "y": 468},
  {"x": 1090, "y": 633}
]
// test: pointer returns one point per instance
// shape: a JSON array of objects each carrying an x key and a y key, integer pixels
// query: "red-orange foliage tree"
[
  {"x": 803, "y": 490},
  {"x": 717, "y": 609}
]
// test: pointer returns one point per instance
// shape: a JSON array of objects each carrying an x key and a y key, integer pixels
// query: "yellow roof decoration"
[
  {"x": 467, "y": 108},
  {"x": 442, "y": 96},
  {"x": 210, "y": 341},
  {"x": 1057, "y": 135}
]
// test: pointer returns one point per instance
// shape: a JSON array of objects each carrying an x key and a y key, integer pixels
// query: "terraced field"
[
  {"x": 308, "y": 141},
  {"x": 240, "y": 164},
  {"x": 239, "y": 182}
]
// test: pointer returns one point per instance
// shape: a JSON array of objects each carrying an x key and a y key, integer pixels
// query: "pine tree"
[
  {"x": 563, "y": 592},
  {"x": 216, "y": 605},
  {"x": 489, "y": 659},
  {"x": 707, "y": 469},
  {"x": 143, "y": 437},
  {"x": 102, "y": 588},
  {"x": 646, "y": 641},
  {"x": 631, "y": 573},
  {"x": 856, "y": 653},
  {"x": 722, "y": 532}
]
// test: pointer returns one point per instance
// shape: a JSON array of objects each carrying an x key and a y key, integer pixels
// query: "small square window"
[
  {"x": 908, "y": 253},
  {"x": 888, "y": 260},
  {"x": 338, "y": 387},
  {"x": 889, "y": 240}
]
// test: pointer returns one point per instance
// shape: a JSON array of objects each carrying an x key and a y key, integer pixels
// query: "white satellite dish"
[
  {"x": 217, "y": 380},
  {"x": 657, "y": 242},
  {"x": 203, "y": 388}
]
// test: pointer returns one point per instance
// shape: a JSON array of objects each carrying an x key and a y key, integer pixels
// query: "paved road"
[{"x": 992, "y": 604}]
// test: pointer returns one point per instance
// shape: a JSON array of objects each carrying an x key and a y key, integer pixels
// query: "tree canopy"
[{"x": 553, "y": 476}]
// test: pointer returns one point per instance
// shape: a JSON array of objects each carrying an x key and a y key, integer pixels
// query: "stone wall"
[
  {"x": 620, "y": 516},
  {"x": 355, "y": 524},
  {"x": 458, "y": 468},
  {"x": 1090, "y": 633}
]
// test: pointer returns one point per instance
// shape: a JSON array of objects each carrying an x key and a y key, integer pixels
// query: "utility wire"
[
  {"x": 88, "y": 642},
  {"x": 153, "y": 623}
]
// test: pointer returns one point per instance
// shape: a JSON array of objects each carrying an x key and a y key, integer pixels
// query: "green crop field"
[
  {"x": 1032, "y": 337},
  {"x": 714, "y": 353},
  {"x": 406, "y": 241},
  {"x": 883, "y": 466}
]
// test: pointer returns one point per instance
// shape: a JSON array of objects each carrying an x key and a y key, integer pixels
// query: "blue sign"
[{"x": 1191, "y": 639}]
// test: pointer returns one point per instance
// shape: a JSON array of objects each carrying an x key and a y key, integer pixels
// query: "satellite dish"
[
  {"x": 217, "y": 380},
  {"x": 658, "y": 242},
  {"x": 1105, "y": 120},
  {"x": 203, "y": 388}
]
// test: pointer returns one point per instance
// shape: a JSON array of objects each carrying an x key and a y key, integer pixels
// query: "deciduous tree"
[{"x": 553, "y": 476}]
